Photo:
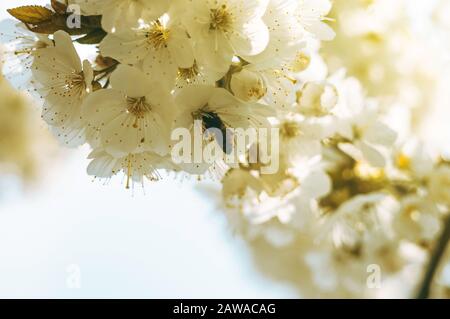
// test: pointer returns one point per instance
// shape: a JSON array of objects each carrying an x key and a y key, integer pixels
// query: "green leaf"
[
  {"x": 31, "y": 14},
  {"x": 93, "y": 37},
  {"x": 91, "y": 22},
  {"x": 45, "y": 28}
]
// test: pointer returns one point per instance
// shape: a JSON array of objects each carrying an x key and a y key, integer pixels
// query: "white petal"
[
  {"x": 252, "y": 40},
  {"x": 131, "y": 81},
  {"x": 180, "y": 48},
  {"x": 374, "y": 157},
  {"x": 317, "y": 184},
  {"x": 64, "y": 45},
  {"x": 379, "y": 133},
  {"x": 102, "y": 167},
  {"x": 125, "y": 50},
  {"x": 120, "y": 137},
  {"x": 103, "y": 106}
]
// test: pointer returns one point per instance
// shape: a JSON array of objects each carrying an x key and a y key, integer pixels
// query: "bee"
[{"x": 212, "y": 122}]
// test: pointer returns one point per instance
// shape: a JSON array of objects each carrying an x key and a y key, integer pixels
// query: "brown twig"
[{"x": 438, "y": 253}]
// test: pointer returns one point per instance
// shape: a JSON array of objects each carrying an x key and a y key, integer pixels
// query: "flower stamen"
[
  {"x": 157, "y": 35},
  {"x": 138, "y": 106},
  {"x": 221, "y": 19}
]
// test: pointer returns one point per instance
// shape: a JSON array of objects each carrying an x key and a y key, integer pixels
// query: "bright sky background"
[{"x": 172, "y": 242}]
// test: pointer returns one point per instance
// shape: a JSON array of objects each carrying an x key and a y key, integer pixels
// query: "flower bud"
[
  {"x": 248, "y": 86},
  {"x": 317, "y": 99}
]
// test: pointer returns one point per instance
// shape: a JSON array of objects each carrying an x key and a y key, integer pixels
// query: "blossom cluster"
[
  {"x": 162, "y": 65},
  {"x": 350, "y": 194},
  {"x": 354, "y": 196}
]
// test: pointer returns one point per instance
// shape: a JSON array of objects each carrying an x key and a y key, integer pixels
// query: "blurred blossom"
[
  {"x": 24, "y": 143},
  {"x": 388, "y": 192},
  {"x": 380, "y": 43}
]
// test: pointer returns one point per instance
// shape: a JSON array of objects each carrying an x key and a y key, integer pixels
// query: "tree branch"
[{"x": 438, "y": 253}]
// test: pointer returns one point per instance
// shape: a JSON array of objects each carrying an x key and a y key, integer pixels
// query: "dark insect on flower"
[{"x": 211, "y": 123}]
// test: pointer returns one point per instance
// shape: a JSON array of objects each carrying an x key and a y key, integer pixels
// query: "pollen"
[
  {"x": 290, "y": 129},
  {"x": 403, "y": 161},
  {"x": 301, "y": 62},
  {"x": 221, "y": 19},
  {"x": 257, "y": 92},
  {"x": 157, "y": 35}
]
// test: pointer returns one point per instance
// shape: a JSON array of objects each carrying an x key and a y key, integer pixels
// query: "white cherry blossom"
[
  {"x": 64, "y": 81},
  {"x": 163, "y": 47},
  {"x": 222, "y": 29},
  {"x": 133, "y": 115}
]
